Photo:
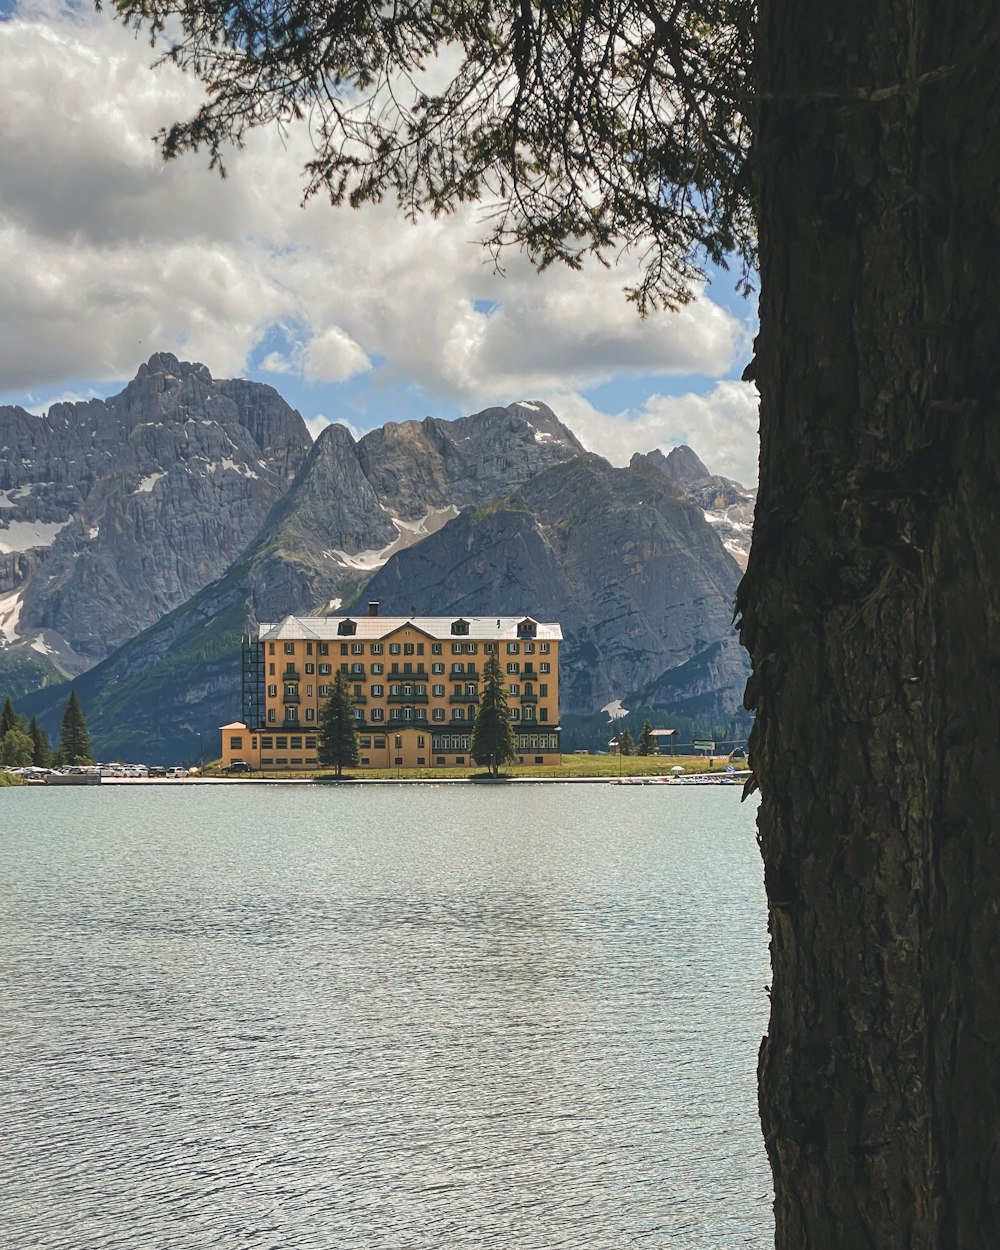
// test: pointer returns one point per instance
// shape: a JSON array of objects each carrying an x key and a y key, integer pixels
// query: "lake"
[{"x": 381, "y": 1018}]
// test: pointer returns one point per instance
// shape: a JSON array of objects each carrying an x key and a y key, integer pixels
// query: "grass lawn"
[{"x": 572, "y": 766}]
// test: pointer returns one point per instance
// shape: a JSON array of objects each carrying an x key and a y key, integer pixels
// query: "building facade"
[{"x": 415, "y": 683}]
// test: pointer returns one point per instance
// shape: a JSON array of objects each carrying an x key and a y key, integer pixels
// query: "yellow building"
[{"x": 415, "y": 682}]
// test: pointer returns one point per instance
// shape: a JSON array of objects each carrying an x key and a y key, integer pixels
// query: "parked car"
[
  {"x": 174, "y": 772},
  {"x": 238, "y": 766}
]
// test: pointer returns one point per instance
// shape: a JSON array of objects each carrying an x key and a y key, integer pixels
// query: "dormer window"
[
  {"x": 527, "y": 628},
  {"x": 347, "y": 627},
  {"x": 460, "y": 626}
]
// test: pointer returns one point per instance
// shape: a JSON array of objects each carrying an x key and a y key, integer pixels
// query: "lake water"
[{"x": 381, "y": 1018}]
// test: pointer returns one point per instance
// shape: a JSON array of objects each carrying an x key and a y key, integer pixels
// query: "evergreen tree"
[
  {"x": 625, "y": 744},
  {"x": 74, "y": 741},
  {"x": 493, "y": 734},
  {"x": 42, "y": 755},
  {"x": 9, "y": 719},
  {"x": 647, "y": 743},
  {"x": 16, "y": 748},
  {"x": 338, "y": 729}
]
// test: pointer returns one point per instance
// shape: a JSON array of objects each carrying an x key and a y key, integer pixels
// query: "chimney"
[{"x": 373, "y": 607}]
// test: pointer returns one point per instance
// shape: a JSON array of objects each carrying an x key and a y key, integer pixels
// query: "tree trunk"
[{"x": 871, "y": 608}]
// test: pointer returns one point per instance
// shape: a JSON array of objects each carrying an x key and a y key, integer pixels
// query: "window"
[
  {"x": 377, "y": 691},
  {"x": 543, "y": 713},
  {"x": 543, "y": 689},
  {"x": 544, "y": 648},
  {"x": 272, "y": 692},
  {"x": 437, "y": 714},
  {"x": 439, "y": 760},
  {"x": 470, "y": 690},
  {"x": 544, "y": 666},
  {"x": 291, "y": 713},
  {"x": 310, "y": 713},
  {"x": 270, "y": 648},
  {"x": 281, "y": 744},
  {"x": 513, "y": 666},
  {"x": 470, "y": 648},
  {"x": 358, "y": 692},
  {"x": 324, "y": 670},
  {"x": 488, "y": 649},
  {"x": 514, "y": 689},
  {"x": 236, "y": 743},
  {"x": 529, "y": 712},
  {"x": 437, "y": 691},
  {"x": 408, "y": 648},
  {"x": 347, "y": 627},
  {"x": 407, "y": 668},
  {"x": 291, "y": 689},
  {"x": 437, "y": 668},
  {"x": 359, "y": 713},
  {"x": 527, "y": 687},
  {"x": 365, "y": 743},
  {"x": 324, "y": 648},
  {"x": 435, "y": 648},
  {"x": 357, "y": 648},
  {"x": 393, "y": 690},
  {"x": 324, "y": 691},
  {"x": 310, "y": 668},
  {"x": 290, "y": 666},
  {"x": 407, "y": 713},
  {"x": 461, "y": 626},
  {"x": 456, "y": 649},
  {"x": 378, "y": 714},
  {"x": 358, "y": 668},
  {"x": 309, "y": 648},
  {"x": 376, "y": 670},
  {"x": 289, "y": 648},
  {"x": 296, "y": 744},
  {"x": 379, "y": 744},
  {"x": 267, "y": 744},
  {"x": 271, "y": 714},
  {"x": 420, "y": 648},
  {"x": 310, "y": 744},
  {"x": 529, "y": 648},
  {"x": 309, "y": 690},
  {"x": 344, "y": 648},
  {"x": 421, "y": 714},
  {"x": 376, "y": 648},
  {"x": 515, "y": 713},
  {"x": 270, "y": 670},
  {"x": 394, "y": 648},
  {"x": 513, "y": 648}
]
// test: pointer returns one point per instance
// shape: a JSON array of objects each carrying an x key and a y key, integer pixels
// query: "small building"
[
  {"x": 663, "y": 739},
  {"x": 415, "y": 683}
]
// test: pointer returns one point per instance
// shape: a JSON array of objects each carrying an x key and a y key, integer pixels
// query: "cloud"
[
  {"x": 107, "y": 254},
  {"x": 721, "y": 426}
]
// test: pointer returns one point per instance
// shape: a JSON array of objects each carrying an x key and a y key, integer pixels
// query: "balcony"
[
  {"x": 528, "y": 698},
  {"x": 290, "y": 698},
  {"x": 463, "y": 698},
  {"x": 463, "y": 674},
  {"x": 291, "y": 674},
  {"x": 357, "y": 699},
  {"x": 408, "y": 698}
]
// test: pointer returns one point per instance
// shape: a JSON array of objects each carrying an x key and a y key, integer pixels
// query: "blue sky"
[{"x": 107, "y": 255}]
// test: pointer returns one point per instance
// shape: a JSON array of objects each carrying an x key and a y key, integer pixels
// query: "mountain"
[
  {"x": 352, "y": 508},
  {"x": 114, "y": 512},
  {"x": 727, "y": 505},
  {"x": 639, "y": 580}
]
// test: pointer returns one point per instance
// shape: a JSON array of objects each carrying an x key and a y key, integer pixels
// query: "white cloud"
[
  {"x": 107, "y": 254},
  {"x": 720, "y": 426},
  {"x": 333, "y": 356}
]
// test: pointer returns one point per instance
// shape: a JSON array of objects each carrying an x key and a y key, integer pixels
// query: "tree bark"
[{"x": 871, "y": 608}]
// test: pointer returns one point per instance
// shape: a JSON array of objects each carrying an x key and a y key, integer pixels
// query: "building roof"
[{"x": 480, "y": 628}]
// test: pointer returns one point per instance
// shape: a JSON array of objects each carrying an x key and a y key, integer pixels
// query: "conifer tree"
[
  {"x": 647, "y": 743},
  {"x": 74, "y": 740},
  {"x": 42, "y": 752},
  {"x": 625, "y": 744},
  {"x": 16, "y": 748},
  {"x": 493, "y": 734},
  {"x": 338, "y": 729},
  {"x": 9, "y": 719}
]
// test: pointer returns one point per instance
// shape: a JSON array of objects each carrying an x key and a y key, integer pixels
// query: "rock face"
[
  {"x": 346, "y": 516},
  {"x": 639, "y": 580},
  {"x": 112, "y": 513},
  {"x": 727, "y": 505}
]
